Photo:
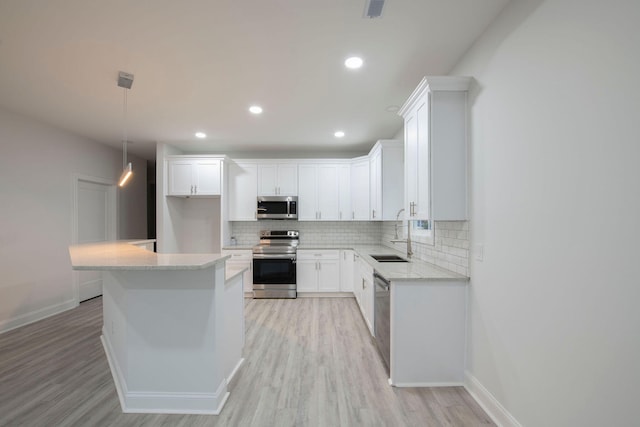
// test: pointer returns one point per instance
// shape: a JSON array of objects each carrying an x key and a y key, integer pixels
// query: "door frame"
[{"x": 112, "y": 225}]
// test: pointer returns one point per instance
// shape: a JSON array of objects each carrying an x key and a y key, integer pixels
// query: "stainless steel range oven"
[{"x": 274, "y": 264}]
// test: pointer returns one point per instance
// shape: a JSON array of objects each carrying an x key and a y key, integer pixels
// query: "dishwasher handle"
[{"x": 381, "y": 281}]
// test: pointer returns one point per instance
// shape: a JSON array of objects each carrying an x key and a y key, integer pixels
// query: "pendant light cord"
[{"x": 124, "y": 131}]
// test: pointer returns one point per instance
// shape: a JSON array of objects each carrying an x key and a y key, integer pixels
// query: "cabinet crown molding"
[{"x": 435, "y": 83}]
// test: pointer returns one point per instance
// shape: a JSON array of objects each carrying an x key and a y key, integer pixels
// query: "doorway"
[{"x": 94, "y": 220}]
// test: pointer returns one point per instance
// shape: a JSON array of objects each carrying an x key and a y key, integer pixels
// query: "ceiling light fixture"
[
  {"x": 255, "y": 109},
  {"x": 125, "y": 81},
  {"x": 373, "y": 8},
  {"x": 201, "y": 135},
  {"x": 339, "y": 134},
  {"x": 353, "y": 62}
]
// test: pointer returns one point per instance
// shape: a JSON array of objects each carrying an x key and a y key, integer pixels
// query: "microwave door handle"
[{"x": 262, "y": 209}]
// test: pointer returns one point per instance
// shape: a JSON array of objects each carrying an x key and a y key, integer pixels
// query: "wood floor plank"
[{"x": 308, "y": 362}]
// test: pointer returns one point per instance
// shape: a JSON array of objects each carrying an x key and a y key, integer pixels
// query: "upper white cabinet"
[
  {"x": 386, "y": 179},
  {"x": 360, "y": 189},
  {"x": 243, "y": 191},
  {"x": 194, "y": 176},
  {"x": 278, "y": 179},
  {"x": 344, "y": 192},
  {"x": 435, "y": 137},
  {"x": 319, "y": 192}
]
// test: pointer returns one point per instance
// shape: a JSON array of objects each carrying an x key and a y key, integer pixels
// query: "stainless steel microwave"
[{"x": 277, "y": 207}]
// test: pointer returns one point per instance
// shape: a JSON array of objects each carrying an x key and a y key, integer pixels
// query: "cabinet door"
[
  {"x": 329, "y": 275},
  {"x": 327, "y": 186},
  {"x": 368, "y": 295},
  {"x": 207, "y": 177},
  {"x": 307, "y": 275},
  {"x": 307, "y": 193},
  {"x": 287, "y": 181},
  {"x": 375, "y": 185},
  {"x": 267, "y": 179},
  {"x": 360, "y": 190},
  {"x": 421, "y": 208},
  {"x": 344, "y": 192},
  {"x": 243, "y": 191},
  {"x": 180, "y": 178},
  {"x": 346, "y": 271}
]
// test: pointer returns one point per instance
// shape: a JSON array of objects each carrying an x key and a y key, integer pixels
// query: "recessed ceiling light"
[
  {"x": 255, "y": 109},
  {"x": 201, "y": 135},
  {"x": 339, "y": 134},
  {"x": 354, "y": 62}
]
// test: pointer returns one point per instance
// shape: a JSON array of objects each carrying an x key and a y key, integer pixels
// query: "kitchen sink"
[{"x": 388, "y": 258}]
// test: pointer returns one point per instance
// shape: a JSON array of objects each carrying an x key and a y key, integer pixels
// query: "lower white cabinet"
[
  {"x": 347, "y": 258},
  {"x": 241, "y": 258},
  {"x": 318, "y": 270},
  {"x": 428, "y": 327},
  {"x": 364, "y": 291}
]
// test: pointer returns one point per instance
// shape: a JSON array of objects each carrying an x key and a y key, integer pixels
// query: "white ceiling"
[{"x": 199, "y": 64}]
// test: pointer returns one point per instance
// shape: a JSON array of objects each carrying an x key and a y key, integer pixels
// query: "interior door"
[{"x": 95, "y": 222}]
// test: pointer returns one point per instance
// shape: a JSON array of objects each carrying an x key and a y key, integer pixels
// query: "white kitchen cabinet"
[
  {"x": 375, "y": 178},
  {"x": 194, "y": 177},
  {"x": 386, "y": 168},
  {"x": 435, "y": 138},
  {"x": 243, "y": 191},
  {"x": 365, "y": 291},
  {"x": 344, "y": 192},
  {"x": 318, "y": 270},
  {"x": 278, "y": 179},
  {"x": 360, "y": 189},
  {"x": 318, "y": 192},
  {"x": 241, "y": 258},
  {"x": 346, "y": 270},
  {"x": 428, "y": 324}
]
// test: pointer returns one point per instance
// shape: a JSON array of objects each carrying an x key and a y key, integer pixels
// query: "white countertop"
[
  {"x": 124, "y": 255},
  {"x": 415, "y": 269}
]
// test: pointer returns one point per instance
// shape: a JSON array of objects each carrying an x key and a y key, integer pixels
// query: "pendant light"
[{"x": 125, "y": 81}]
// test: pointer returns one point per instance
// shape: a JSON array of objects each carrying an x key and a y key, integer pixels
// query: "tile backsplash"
[
  {"x": 312, "y": 232},
  {"x": 450, "y": 249}
]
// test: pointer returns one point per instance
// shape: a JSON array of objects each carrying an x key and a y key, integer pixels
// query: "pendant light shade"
[
  {"x": 125, "y": 81},
  {"x": 126, "y": 174}
]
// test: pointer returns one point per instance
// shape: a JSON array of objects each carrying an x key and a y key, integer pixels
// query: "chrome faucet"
[
  {"x": 397, "y": 220},
  {"x": 408, "y": 239}
]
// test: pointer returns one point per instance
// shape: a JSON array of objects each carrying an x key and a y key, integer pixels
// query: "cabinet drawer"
[{"x": 318, "y": 254}]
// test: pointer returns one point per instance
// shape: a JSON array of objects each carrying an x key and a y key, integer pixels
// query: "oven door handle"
[{"x": 292, "y": 257}]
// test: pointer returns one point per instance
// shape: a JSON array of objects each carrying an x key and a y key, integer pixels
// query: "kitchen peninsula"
[{"x": 173, "y": 325}]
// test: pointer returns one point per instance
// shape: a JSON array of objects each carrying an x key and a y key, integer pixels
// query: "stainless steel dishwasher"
[{"x": 382, "y": 318}]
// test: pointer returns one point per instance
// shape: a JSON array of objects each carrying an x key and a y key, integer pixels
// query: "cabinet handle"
[
  {"x": 320, "y": 215},
  {"x": 363, "y": 284},
  {"x": 192, "y": 189},
  {"x": 373, "y": 213},
  {"x": 195, "y": 189},
  {"x": 353, "y": 215}
]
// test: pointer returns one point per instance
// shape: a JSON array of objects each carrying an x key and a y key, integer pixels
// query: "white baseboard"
[
  {"x": 24, "y": 319},
  {"x": 489, "y": 403},
  {"x": 235, "y": 370},
  {"x": 325, "y": 295},
  {"x": 162, "y": 402},
  {"x": 438, "y": 384}
]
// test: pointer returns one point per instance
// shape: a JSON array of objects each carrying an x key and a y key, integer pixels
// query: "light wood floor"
[{"x": 309, "y": 362}]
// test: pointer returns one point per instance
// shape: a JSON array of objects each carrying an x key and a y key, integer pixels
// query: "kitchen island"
[{"x": 173, "y": 326}]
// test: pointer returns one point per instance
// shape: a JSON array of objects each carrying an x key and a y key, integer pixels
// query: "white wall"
[
  {"x": 554, "y": 325},
  {"x": 37, "y": 163}
]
